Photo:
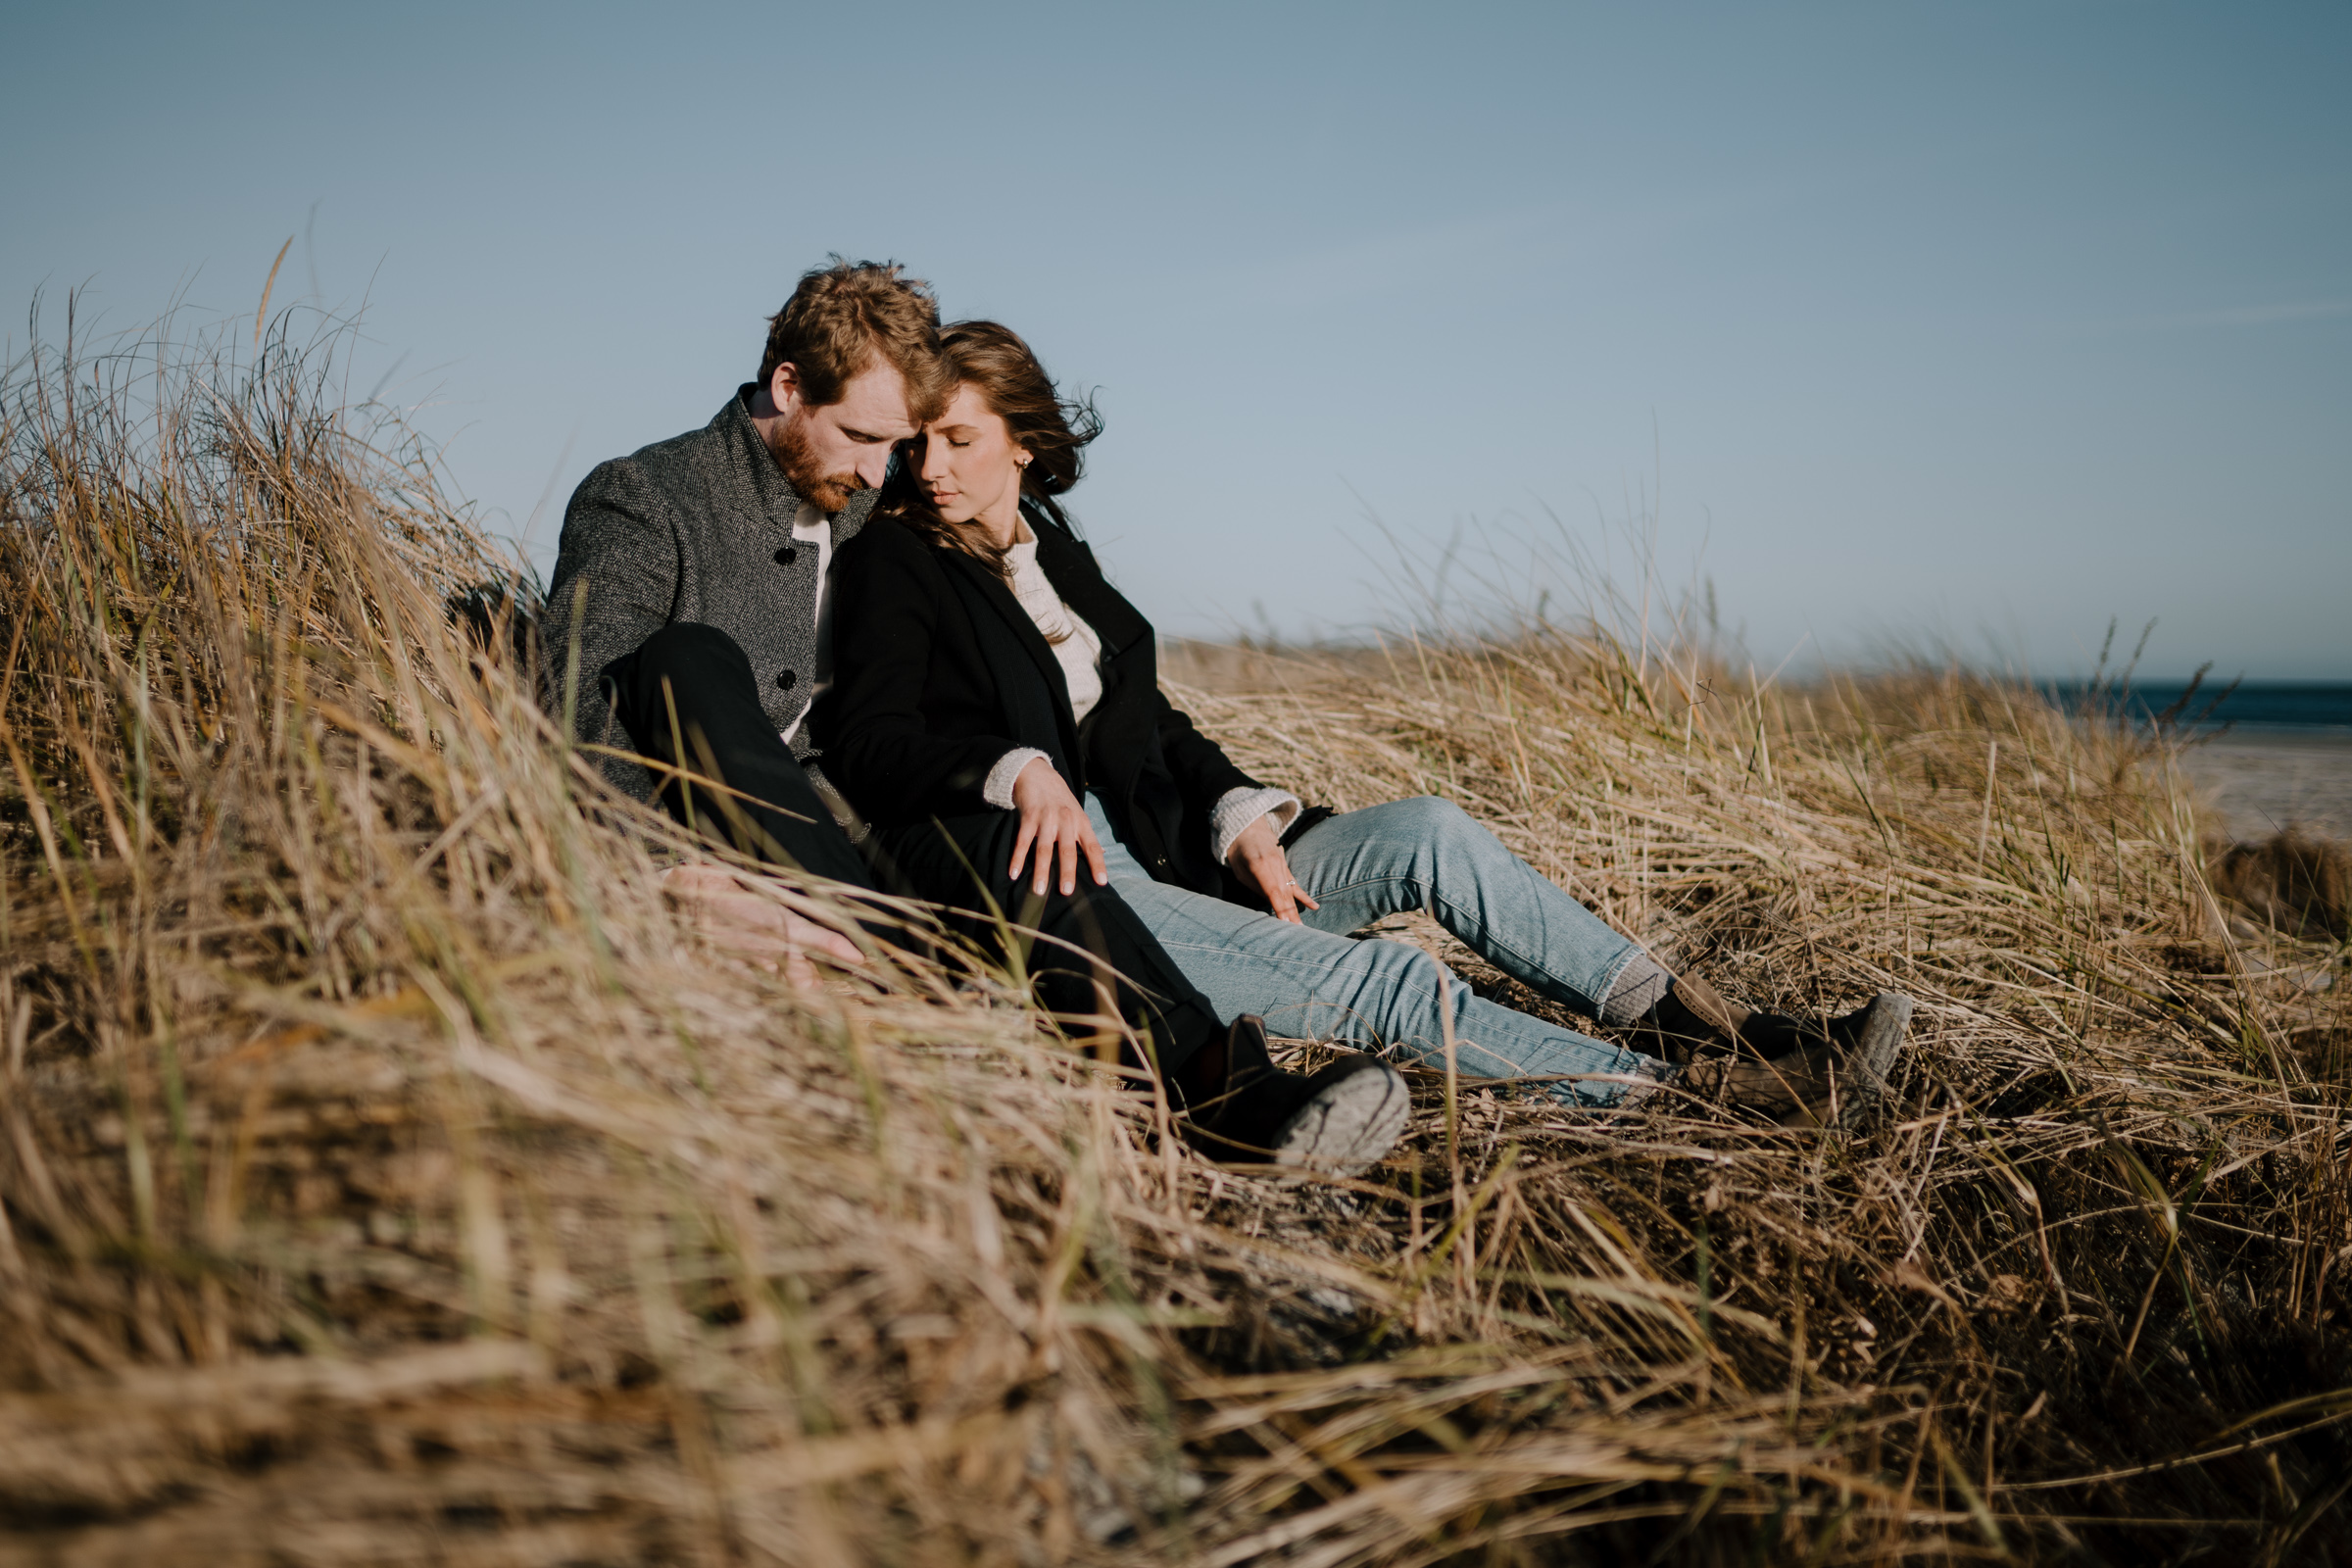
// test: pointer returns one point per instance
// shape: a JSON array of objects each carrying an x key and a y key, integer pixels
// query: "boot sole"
[
  {"x": 1349, "y": 1127},
  {"x": 1881, "y": 1036}
]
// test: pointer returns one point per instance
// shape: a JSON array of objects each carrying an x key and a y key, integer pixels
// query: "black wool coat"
[{"x": 938, "y": 672}]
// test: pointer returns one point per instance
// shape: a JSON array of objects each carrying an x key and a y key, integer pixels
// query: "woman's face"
[{"x": 968, "y": 464}]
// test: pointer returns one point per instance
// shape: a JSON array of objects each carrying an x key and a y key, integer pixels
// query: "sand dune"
[{"x": 2262, "y": 782}]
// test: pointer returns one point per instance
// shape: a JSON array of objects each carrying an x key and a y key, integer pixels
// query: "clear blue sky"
[{"x": 1929, "y": 322}]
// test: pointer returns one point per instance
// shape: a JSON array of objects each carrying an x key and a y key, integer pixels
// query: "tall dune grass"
[{"x": 388, "y": 1176}]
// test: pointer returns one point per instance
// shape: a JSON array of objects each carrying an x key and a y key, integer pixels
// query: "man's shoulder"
[
  {"x": 687, "y": 470},
  {"x": 687, "y": 450}
]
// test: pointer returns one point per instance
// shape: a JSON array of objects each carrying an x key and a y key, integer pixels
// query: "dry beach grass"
[{"x": 388, "y": 1176}]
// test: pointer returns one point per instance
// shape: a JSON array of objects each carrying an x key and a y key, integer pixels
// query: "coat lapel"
[
  {"x": 771, "y": 494},
  {"x": 993, "y": 591},
  {"x": 1070, "y": 568}
]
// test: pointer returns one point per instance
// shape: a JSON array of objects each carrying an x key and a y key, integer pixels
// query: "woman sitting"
[{"x": 994, "y": 704}]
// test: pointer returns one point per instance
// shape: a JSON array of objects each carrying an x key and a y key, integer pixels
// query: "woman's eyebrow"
[{"x": 954, "y": 429}]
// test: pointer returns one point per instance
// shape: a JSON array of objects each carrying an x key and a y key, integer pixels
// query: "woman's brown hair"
[{"x": 1052, "y": 428}]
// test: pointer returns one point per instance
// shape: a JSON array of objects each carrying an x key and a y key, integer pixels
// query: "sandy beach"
[{"x": 2268, "y": 780}]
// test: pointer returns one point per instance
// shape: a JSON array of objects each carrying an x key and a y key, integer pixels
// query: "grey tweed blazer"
[{"x": 694, "y": 528}]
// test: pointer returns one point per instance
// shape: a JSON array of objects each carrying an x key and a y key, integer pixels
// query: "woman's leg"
[
  {"x": 1375, "y": 995},
  {"x": 961, "y": 864},
  {"x": 1427, "y": 855},
  {"x": 1236, "y": 1104}
]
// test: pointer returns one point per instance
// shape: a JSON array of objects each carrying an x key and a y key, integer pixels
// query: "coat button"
[
  {"x": 785, "y": 554},
  {"x": 784, "y": 680}
]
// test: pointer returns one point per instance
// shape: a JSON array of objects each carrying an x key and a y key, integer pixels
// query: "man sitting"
[{"x": 687, "y": 625}]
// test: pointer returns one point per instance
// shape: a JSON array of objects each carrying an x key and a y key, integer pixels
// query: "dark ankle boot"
[
  {"x": 1241, "y": 1109},
  {"x": 1836, "y": 1077},
  {"x": 1689, "y": 1021},
  {"x": 1694, "y": 1020}
]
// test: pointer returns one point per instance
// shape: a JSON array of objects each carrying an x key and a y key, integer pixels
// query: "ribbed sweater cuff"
[
  {"x": 997, "y": 787},
  {"x": 1236, "y": 808}
]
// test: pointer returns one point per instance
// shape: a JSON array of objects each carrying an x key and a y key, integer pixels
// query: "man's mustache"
[{"x": 828, "y": 492}]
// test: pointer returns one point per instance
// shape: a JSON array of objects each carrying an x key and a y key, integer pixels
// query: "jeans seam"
[
  {"x": 1410, "y": 995},
  {"x": 1486, "y": 933},
  {"x": 1430, "y": 900},
  {"x": 1411, "y": 989},
  {"x": 1407, "y": 988}
]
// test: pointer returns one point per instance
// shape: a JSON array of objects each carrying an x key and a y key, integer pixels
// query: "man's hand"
[
  {"x": 1257, "y": 858},
  {"x": 1054, "y": 822},
  {"x": 724, "y": 908}
]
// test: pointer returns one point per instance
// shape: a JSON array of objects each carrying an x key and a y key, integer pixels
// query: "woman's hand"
[
  {"x": 1257, "y": 858},
  {"x": 1054, "y": 822}
]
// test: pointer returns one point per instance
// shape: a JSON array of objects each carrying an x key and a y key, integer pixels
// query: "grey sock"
[{"x": 1642, "y": 987}]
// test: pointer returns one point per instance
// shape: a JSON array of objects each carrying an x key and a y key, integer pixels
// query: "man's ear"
[{"x": 784, "y": 387}]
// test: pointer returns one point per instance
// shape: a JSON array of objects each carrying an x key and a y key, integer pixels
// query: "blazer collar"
[
  {"x": 748, "y": 454},
  {"x": 1070, "y": 568}
]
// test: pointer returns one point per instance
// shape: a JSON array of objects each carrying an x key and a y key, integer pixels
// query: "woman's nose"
[{"x": 932, "y": 460}]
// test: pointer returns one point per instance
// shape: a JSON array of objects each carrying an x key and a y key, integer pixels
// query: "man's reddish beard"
[{"x": 804, "y": 470}]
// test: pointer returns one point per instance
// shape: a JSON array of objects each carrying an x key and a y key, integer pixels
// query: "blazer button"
[
  {"x": 785, "y": 554},
  {"x": 784, "y": 680}
]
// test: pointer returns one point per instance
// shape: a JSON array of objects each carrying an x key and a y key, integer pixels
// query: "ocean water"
[
  {"x": 2317, "y": 709},
  {"x": 2264, "y": 757}
]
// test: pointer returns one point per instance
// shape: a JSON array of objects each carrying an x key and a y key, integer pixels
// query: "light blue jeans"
[{"x": 1314, "y": 981}]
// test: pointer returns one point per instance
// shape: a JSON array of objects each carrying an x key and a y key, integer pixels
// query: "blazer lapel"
[
  {"x": 1070, "y": 568},
  {"x": 993, "y": 591}
]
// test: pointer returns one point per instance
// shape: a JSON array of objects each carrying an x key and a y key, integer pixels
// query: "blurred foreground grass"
[{"x": 388, "y": 1176}]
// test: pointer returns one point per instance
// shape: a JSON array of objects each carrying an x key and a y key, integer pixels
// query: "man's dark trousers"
[{"x": 687, "y": 698}]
